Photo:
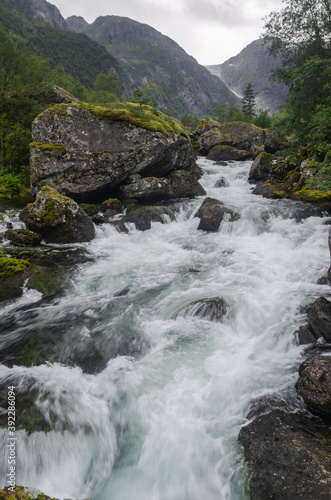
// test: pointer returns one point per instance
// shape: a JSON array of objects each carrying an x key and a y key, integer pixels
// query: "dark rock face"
[
  {"x": 226, "y": 153},
  {"x": 211, "y": 214},
  {"x": 253, "y": 63},
  {"x": 142, "y": 217},
  {"x": 319, "y": 318},
  {"x": 314, "y": 384},
  {"x": 86, "y": 152},
  {"x": 57, "y": 218},
  {"x": 329, "y": 271},
  {"x": 261, "y": 167},
  {"x": 23, "y": 237},
  {"x": 180, "y": 184},
  {"x": 289, "y": 456},
  {"x": 212, "y": 309}
]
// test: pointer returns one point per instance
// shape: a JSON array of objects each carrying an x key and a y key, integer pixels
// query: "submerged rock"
[
  {"x": 143, "y": 217},
  {"x": 57, "y": 218},
  {"x": 289, "y": 457},
  {"x": 211, "y": 214},
  {"x": 221, "y": 182},
  {"x": 86, "y": 151},
  {"x": 212, "y": 309},
  {"x": 314, "y": 384}
]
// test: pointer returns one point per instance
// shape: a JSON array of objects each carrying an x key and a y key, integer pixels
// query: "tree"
[
  {"x": 248, "y": 103},
  {"x": 301, "y": 33},
  {"x": 146, "y": 94}
]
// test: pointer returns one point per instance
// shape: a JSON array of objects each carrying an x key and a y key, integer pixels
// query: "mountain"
[
  {"x": 41, "y": 10},
  {"x": 80, "y": 56},
  {"x": 253, "y": 65},
  {"x": 146, "y": 55}
]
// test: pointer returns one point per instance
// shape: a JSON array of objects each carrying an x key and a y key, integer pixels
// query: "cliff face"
[
  {"x": 253, "y": 65},
  {"x": 147, "y": 55},
  {"x": 41, "y": 10}
]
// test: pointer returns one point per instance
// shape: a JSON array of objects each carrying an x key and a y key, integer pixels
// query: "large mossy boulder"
[
  {"x": 57, "y": 218},
  {"x": 86, "y": 151},
  {"x": 239, "y": 135},
  {"x": 289, "y": 457},
  {"x": 314, "y": 384}
]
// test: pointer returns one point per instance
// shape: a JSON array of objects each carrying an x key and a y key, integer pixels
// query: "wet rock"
[
  {"x": 13, "y": 275},
  {"x": 226, "y": 153},
  {"x": 221, "y": 182},
  {"x": 261, "y": 167},
  {"x": 89, "y": 208},
  {"x": 57, "y": 218},
  {"x": 23, "y": 237},
  {"x": 143, "y": 217},
  {"x": 289, "y": 457},
  {"x": 212, "y": 309},
  {"x": 211, "y": 214},
  {"x": 86, "y": 151},
  {"x": 329, "y": 270},
  {"x": 111, "y": 207},
  {"x": 319, "y": 318},
  {"x": 179, "y": 184},
  {"x": 270, "y": 189},
  {"x": 314, "y": 384},
  {"x": 222, "y": 163}
]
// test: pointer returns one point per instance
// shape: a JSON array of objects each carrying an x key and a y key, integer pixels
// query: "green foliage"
[
  {"x": 248, "y": 103},
  {"x": 146, "y": 94},
  {"x": 262, "y": 119},
  {"x": 190, "y": 121},
  {"x": 81, "y": 57},
  {"x": 227, "y": 113}
]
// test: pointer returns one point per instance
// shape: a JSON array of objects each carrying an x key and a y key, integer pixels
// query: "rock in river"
[{"x": 57, "y": 218}]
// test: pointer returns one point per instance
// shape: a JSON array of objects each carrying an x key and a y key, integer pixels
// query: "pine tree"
[{"x": 248, "y": 103}]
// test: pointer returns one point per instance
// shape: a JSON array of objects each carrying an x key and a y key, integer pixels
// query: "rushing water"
[{"x": 162, "y": 423}]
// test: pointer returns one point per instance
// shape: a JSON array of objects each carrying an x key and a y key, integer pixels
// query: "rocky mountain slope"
[
  {"x": 253, "y": 65},
  {"x": 147, "y": 55},
  {"x": 41, "y": 10}
]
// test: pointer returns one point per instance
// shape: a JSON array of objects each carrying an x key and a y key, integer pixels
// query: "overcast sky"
[{"x": 212, "y": 31}]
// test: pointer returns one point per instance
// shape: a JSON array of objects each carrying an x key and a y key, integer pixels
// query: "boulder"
[
  {"x": 239, "y": 135},
  {"x": 270, "y": 189},
  {"x": 211, "y": 214},
  {"x": 319, "y": 318},
  {"x": 226, "y": 153},
  {"x": 57, "y": 218},
  {"x": 289, "y": 456},
  {"x": 205, "y": 125},
  {"x": 23, "y": 237},
  {"x": 13, "y": 275},
  {"x": 142, "y": 217},
  {"x": 314, "y": 384},
  {"x": 85, "y": 151},
  {"x": 212, "y": 309},
  {"x": 179, "y": 184},
  {"x": 261, "y": 167},
  {"x": 221, "y": 182}
]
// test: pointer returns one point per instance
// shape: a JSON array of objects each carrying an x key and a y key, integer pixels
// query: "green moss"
[
  {"x": 47, "y": 146},
  {"x": 10, "y": 267},
  {"x": 124, "y": 112},
  {"x": 97, "y": 153},
  {"x": 313, "y": 195}
]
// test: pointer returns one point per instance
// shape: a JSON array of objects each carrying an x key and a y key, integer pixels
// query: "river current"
[{"x": 162, "y": 422}]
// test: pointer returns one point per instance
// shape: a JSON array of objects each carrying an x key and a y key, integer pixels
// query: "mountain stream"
[{"x": 161, "y": 422}]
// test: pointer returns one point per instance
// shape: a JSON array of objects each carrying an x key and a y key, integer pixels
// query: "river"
[{"x": 161, "y": 422}]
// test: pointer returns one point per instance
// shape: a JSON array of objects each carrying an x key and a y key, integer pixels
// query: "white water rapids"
[{"x": 163, "y": 424}]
